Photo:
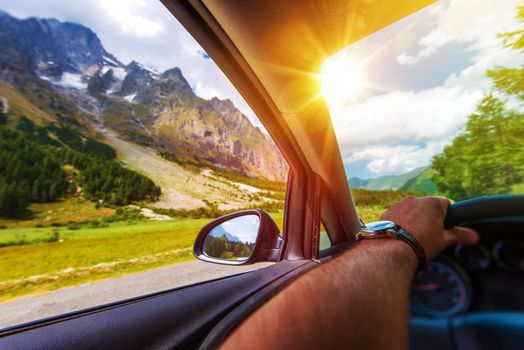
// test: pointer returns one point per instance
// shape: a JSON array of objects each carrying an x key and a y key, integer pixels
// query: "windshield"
[{"x": 433, "y": 104}]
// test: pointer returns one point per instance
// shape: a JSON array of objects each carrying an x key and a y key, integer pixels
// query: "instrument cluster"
[{"x": 471, "y": 277}]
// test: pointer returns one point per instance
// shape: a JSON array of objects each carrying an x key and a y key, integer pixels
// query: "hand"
[{"x": 423, "y": 217}]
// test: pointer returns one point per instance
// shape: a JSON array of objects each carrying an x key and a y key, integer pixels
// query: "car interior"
[{"x": 469, "y": 297}]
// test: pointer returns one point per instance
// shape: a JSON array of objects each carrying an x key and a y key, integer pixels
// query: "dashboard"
[{"x": 488, "y": 276}]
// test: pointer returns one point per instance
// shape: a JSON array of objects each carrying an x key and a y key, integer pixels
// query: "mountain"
[
  {"x": 357, "y": 182},
  {"x": 219, "y": 231},
  {"x": 53, "y": 49},
  {"x": 64, "y": 70},
  {"x": 422, "y": 182},
  {"x": 416, "y": 180}
]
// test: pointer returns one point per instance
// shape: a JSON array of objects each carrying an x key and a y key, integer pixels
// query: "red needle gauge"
[
  {"x": 430, "y": 287},
  {"x": 442, "y": 289}
]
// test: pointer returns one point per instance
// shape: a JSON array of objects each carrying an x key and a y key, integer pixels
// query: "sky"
[
  {"x": 140, "y": 30},
  {"x": 420, "y": 77},
  {"x": 243, "y": 227},
  {"x": 419, "y": 80}
]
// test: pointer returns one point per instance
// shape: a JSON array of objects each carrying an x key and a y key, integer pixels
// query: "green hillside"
[
  {"x": 421, "y": 183},
  {"x": 44, "y": 164},
  {"x": 377, "y": 199},
  {"x": 387, "y": 182}
]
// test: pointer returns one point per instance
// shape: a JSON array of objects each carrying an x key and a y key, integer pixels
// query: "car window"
[
  {"x": 432, "y": 105},
  {"x": 119, "y": 139},
  {"x": 325, "y": 241}
]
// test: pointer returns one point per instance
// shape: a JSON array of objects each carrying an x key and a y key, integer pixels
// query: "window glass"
[
  {"x": 325, "y": 242},
  {"x": 432, "y": 104},
  {"x": 119, "y": 139}
]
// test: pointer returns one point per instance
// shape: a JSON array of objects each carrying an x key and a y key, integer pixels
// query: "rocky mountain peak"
[
  {"x": 159, "y": 110},
  {"x": 175, "y": 75},
  {"x": 66, "y": 54},
  {"x": 54, "y": 47},
  {"x": 222, "y": 105},
  {"x": 231, "y": 115},
  {"x": 136, "y": 79},
  {"x": 134, "y": 66}
]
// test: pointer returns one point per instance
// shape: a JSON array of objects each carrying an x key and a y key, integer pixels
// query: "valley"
[
  {"x": 183, "y": 187},
  {"x": 75, "y": 91},
  {"x": 418, "y": 180},
  {"x": 109, "y": 168}
]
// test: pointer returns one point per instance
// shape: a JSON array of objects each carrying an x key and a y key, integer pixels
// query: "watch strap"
[
  {"x": 414, "y": 244},
  {"x": 397, "y": 232}
]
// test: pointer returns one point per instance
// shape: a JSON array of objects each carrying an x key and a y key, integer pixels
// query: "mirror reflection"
[{"x": 233, "y": 239}]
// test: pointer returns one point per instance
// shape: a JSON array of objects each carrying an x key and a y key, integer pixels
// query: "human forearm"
[{"x": 359, "y": 299}]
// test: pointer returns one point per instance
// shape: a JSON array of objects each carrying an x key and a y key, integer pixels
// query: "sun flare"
[{"x": 341, "y": 80}]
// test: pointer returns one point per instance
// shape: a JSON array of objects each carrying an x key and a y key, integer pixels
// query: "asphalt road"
[{"x": 87, "y": 295}]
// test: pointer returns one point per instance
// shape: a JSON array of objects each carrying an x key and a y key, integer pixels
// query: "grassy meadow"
[
  {"x": 39, "y": 259},
  {"x": 74, "y": 209},
  {"x": 89, "y": 254},
  {"x": 59, "y": 253}
]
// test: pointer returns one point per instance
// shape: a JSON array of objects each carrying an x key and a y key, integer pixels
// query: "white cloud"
[
  {"x": 474, "y": 76},
  {"x": 127, "y": 14},
  {"x": 376, "y": 129},
  {"x": 413, "y": 116},
  {"x": 395, "y": 159},
  {"x": 404, "y": 58},
  {"x": 468, "y": 21}
]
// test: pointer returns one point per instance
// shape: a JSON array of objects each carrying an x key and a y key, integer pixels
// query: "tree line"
[
  {"x": 488, "y": 157},
  {"x": 36, "y": 167},
  {"x": 222, "y": 248}
]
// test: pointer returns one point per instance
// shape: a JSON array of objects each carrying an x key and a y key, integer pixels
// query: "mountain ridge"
[
  {"x": 155, "y": 109},
  {"x": 418, "y": 179}
]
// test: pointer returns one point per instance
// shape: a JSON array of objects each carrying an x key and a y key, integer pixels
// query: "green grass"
[
  {"x": 36, "y": 265},
  {"x": 20, "y": 106},
  {"x": 89, "y": 254},
  {"x": 84, "y": 248},
  {"x": 61, "y": 212},
  {"x": 370, "y": 213},
  {"x": 517, "y": 189}
]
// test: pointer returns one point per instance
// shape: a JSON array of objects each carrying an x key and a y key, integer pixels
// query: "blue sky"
[
  {"x": 244, "y": 228},
  {"x": 420, "y": 79}
]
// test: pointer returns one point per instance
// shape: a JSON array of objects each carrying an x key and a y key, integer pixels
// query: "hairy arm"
[{"x": 358, "y": 300}]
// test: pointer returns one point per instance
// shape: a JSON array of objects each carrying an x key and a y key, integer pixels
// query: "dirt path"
[{"x": 92, "y": 294}]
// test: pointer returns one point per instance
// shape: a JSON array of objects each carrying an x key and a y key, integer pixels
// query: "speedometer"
[{"x": 442, "y": 290}]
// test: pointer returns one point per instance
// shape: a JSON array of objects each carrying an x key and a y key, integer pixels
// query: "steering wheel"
[
  {"x": 482, "y": 329},
  {"x": 484, "y": 208}
]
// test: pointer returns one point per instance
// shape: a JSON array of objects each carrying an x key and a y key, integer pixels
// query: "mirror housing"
[{"x": 265, "y": 247}]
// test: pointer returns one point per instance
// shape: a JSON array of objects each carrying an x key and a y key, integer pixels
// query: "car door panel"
[
  {"x": 178, "y": 318},
  {"x": 226, "y": 325}
]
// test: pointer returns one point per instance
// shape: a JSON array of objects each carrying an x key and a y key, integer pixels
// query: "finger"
[
  {"x": 460, "y": 235},
  {"x": 444, "y": 202}
]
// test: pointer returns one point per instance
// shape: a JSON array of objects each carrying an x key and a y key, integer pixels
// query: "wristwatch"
[{"x": 388, "y": 229}]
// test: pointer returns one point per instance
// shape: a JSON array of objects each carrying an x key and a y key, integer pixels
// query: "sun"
[{"x": 341, "y": 80}]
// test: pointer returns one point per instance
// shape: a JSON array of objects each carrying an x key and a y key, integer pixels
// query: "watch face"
[{"x": 378, "y": 226}]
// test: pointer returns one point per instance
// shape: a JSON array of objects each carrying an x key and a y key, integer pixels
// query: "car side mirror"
[{"x": 240, "y": 238}]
